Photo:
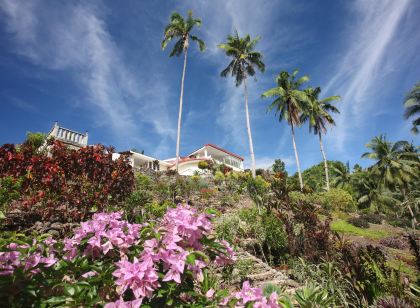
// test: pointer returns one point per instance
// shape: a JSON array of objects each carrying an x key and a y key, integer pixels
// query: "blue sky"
[{"x": 98, "y": 66}]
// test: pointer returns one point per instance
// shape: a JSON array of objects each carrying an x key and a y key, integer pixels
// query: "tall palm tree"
[
  {"x": 245, "y": 61},
  {"x": 412, "y": 107},
  {"x": 290, "y": 101},
  {"x": 181, "y": 29},
  {"x": 318, "y": 114},
  {"x": 395, "y": 166}
]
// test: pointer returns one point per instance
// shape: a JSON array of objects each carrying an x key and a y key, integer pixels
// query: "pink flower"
[
  {"x": 89, "y": 274},
  {"x": 210, "y": 293}
]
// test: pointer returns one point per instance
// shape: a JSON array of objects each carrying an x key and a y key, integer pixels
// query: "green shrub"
[
  {"x": 358, "y": 222},
  {"x": 227, "y": 227},
  {"x": 203, "y": 165},
  {"x": 335, "y": 199},
  {"x": 219, "y": 177},
  {"x": 9, "y": 191},
  {"x": 373, "y": 218},
  {"x": 297, "y": 196}
]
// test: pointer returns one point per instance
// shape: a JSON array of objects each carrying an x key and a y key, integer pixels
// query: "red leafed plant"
[{"x": 65, "y": 184}]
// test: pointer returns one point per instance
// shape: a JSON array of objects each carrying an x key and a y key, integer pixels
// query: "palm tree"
[
  {"x": 181, "y": 29},
  {"x": 412, "y": 107},
  {"x": 342, "y": 175},
  {"x": 289, "y": 104},
  {"x": 245, "y": 60},
  {"x": 395, "y": 165},
  {"x": 318, "y": 116}
]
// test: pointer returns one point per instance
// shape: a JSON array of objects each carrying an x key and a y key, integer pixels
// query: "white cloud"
[
  {"x": 364, "y": 64},
  {"x": 265, "y": 162},
  {"x": 73, "y": 37}
]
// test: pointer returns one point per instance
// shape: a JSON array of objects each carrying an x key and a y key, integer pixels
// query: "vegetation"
[
  {"x": 412, "y": 107},
  {"x": 243, "y": 65}
]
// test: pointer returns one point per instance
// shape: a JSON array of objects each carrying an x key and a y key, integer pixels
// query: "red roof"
[{"x": 220, "y": 149}]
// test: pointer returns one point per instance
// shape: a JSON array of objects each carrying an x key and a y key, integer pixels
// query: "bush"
[
  {"x": 9, "y": 191},
  {"x": 66, "y": 184},
  {"x": 373, "y": 218},
  {"x": 203, "y": 165},
  {"x": 219, "y": 177},
  {"x": 358, "y": 222},
  {"x": 335, "y": 199},
  {"x": 394, "y": 242}
]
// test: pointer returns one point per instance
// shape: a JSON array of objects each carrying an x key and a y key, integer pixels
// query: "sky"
[{"x": 97, "y": 66}]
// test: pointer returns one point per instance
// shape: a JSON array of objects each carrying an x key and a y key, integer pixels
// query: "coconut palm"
[
  {"x": 245, "y": 61},
  {"x": 181, "y": 29},
  {"x": 342, "y": 175},
  {"x": 290, "y": 101},
  {"x": 395, "y": 166},
  {"x": 318, "y": 114},
  {"x": 412, "y": 107}
]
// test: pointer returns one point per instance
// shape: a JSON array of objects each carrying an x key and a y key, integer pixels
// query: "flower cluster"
[
  {"x": 21, "y": 256},
  {"x": 182, "y": 229},
  {"x": 105, "y": 232},
  {"x": 248, "y": 295}
]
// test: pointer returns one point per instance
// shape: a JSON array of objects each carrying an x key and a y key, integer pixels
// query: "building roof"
[{"x": 220, "y": 149}]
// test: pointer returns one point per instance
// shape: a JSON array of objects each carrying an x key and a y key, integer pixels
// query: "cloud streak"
[
  {"x": 74, "y": 38},
  {"x": 361, "y": 67}
]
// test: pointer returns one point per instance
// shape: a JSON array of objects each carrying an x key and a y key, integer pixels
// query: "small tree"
[{"x": 279, "y": 166}]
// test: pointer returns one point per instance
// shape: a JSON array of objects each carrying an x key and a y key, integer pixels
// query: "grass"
[
  {"x": 403, "y": 268},
  {"x": 347, "y": 228}
]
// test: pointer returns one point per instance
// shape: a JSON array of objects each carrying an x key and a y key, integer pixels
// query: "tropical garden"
[{"x": 79, "y": 229}]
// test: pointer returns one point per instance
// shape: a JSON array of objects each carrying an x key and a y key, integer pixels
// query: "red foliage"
[{"x": 66, "y": 183}]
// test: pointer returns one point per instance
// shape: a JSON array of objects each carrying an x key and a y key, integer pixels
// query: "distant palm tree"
[
  {"x": 290, "y": 101},
  {"x": 396, "y": 165},
  {"x": 245, "y": 60},
  {"x": 181, "y": 29},
  {"x": 317, "y": 113},
  {"x": 412, "y": 107},
  {"x": 342, "y": 175}
]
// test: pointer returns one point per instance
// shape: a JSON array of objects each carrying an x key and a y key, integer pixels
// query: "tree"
[
  {"x": 412, "y": 107},
  {"x": 342, "y": 175},
  {"x": 318, "y": 114},
  {"x": 395, "y": 166},
  {"x": 289, "y": 103},
  {"x": 279, "y": 167},
  {"x": 181, "y": 29},
  {"x": 36, "y": 140},
  {"x": 245, "y": 61}
]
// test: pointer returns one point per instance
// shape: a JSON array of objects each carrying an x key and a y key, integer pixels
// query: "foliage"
[
  {"x": 258, "y": 190},
  {"x": 181, "y": 29},
  {"x": 219, "y": 177},
  {"x": 359, "y": 222},
  {"x": 412, "y": 107},
  {"x": 307, "y": 235},
  {"x": 393, "y": 242},
  {"x": 111, "y": 261},
  {"x": 373, "y": 218},
  {"x": 36, "y": 140},
  {"x": 311, "y": 296},
  {"x": 66, "y": 184},
  {"x": 9, "y": 191},
  {"x": 203, "y": 165},
  {"x": 315, "y": 175},
  {"x": 245, "y": 58},
  {"x": 279, "y": 167},
  {"x": 335, "y": 200}
]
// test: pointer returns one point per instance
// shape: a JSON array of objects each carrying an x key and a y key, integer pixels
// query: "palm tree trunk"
[
  {"x": 248, "y": 126},
  {"x": 327, "y": 178},
  {"x": 180, "y": 110},
  {"x": 297, "y": 158}
]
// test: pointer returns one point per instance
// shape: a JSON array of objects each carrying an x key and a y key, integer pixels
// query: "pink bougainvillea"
[
  {"x": 19, "y": 256},
  {"x": 254, "y": 296}
]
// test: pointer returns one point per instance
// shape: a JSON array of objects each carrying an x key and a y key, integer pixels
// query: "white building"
[
  {"x": 209, "y": 152},
  {"x": 187, "y": 165},
  {"x": 70, "y": 138},
  {"x": 140, "y": 161}
]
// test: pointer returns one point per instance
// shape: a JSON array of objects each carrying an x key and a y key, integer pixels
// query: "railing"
[{"x": 71, "y": 136}]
